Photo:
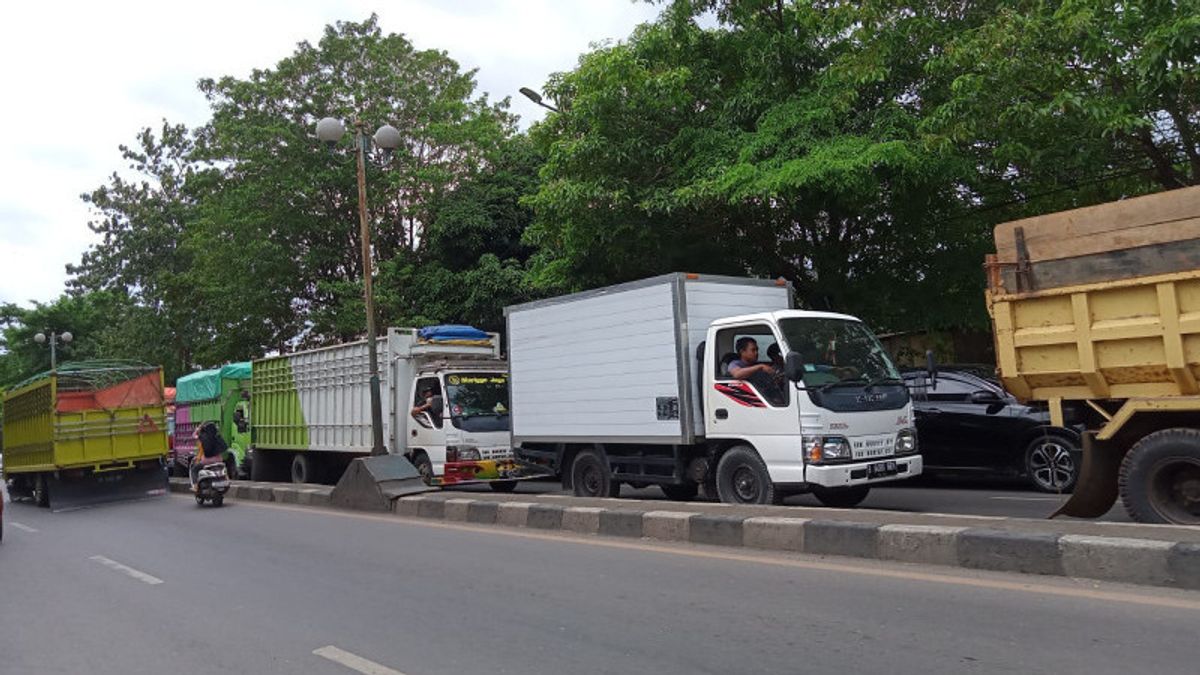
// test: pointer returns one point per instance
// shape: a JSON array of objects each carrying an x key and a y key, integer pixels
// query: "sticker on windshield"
[
  {"x": 477, "y": 379},
  {"x": 453, "y": 379}
]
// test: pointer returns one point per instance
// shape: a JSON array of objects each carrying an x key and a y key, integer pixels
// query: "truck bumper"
[{"x": 844, "y": 475}]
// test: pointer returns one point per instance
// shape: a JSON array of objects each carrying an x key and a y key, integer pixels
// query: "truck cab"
[
  {"x": 460, "y": 423},
  {"x": 834, "y": 415}
]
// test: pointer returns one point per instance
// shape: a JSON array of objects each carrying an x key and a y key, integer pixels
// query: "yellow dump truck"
[
  {"x": 86, "y": 433},
  {"x": 1098, "y": 309}
]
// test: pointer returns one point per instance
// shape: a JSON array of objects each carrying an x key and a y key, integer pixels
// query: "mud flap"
[
  {"x": 69, "y": 492},
  {"x": 374, "y": 483},
  {"x": 1096, "y": 490}
]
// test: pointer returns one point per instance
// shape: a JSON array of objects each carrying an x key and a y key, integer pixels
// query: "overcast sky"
[{"x": 80, "y": 78}]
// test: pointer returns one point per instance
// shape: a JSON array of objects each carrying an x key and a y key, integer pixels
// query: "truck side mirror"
[
  {"x": 436, "y": 407},
  {"x": 931, "y": 368},
  {"x": 793, "y": 367}
]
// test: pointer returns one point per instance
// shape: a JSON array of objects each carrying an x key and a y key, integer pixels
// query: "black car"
[{"x": 969, "y": 423}]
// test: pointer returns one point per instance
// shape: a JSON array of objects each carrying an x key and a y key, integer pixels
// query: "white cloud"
[{"x": 81, "y": 78}]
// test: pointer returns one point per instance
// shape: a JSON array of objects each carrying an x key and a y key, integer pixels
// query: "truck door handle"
[{"x": 722, "y": 414}]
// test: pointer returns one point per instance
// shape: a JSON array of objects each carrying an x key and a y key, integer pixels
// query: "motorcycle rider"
[{"x": 210, "y": 447}]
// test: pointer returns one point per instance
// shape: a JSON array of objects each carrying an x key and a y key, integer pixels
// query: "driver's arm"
[{"x": 748, "y": 371}]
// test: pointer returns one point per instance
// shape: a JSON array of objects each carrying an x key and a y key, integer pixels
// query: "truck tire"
[
  {"x": 681, "y": 493},
  {"x": 742, "y": 478},
  {"x": 423, "y": 466},
  {"x": 1159, "y": 480},
  {"x": 590, "y": 476},
  {"x": 231, "y": 467},
  {"x": 503, "y": 485},
  {"x": 259, "y": 467},
  {"x": 304, "y": 469},
  {"x": 841, "y": 498},
  {"x": 1052, "y": 464},
  {"x": 41, "y": 491}
]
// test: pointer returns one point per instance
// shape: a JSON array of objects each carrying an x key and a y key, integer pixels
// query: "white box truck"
[
  {"x": 636, "y": 384},
  {"x": 312, "y": 410}
]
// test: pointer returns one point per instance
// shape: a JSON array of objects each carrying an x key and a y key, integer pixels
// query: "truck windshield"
[
  {"x": 478, "y": 401},
  {"x": 836, "y": 351}
]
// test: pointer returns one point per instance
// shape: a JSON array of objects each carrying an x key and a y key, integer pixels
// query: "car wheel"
[
  {"x": 742, "y": 478},
  {"x": 503, "y": 485},
  {"x": 1051, "y": 464}
]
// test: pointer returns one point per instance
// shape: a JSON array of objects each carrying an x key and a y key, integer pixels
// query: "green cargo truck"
[
  {"x": 86, "y": 433},
  {"x": 220, "y": 395}
]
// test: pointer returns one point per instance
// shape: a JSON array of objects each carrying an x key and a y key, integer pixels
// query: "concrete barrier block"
[
  {"x": 408, "y": 506},
  {"x": 513, "y": 514},
  {"x": 620, "y": 523},
  {"x": 928, "y": 544},
  {"x": 1032, "y": 553},
  {"x": 545, "y": 517},
  {"x": 322, "y": 499},
  {"x": 1137, "y": 561},
  {"x": 716, "y": 530},
  {"x": 1184, "y": 565},
  {"x": 431, "y": 508},
  {"x": 582, "y": 519},
  {"x": 666, "y": 525},
  {"x": 832, "y": 537},
  {"x": 457, "y": 509},
  {"x": 263, "y": 493},
  {"x": 779, "y": 534}
]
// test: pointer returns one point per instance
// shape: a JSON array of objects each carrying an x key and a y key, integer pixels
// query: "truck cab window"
[
  {"x": 752, "y": 347},
  {"x": 426, "y": 394}
]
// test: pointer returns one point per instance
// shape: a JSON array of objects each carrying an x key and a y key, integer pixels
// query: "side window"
[
  {"x": 770, "y": 385},
  {"x": 431, "y": 384},
  {"x": 951, "y": 389}
]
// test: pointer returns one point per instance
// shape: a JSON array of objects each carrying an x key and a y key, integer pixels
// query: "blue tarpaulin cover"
[{"x": 451, "y": 332}]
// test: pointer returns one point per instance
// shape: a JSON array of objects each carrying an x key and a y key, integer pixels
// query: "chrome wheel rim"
[{"x": 1052, "y": 466}]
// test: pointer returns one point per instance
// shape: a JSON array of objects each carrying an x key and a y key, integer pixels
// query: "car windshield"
[
  {"x": 838, "y": 350},
  {"x": 478, "y": 401}
]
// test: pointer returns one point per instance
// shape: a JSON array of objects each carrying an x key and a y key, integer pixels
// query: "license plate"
[{"x": 881, "y": 469}]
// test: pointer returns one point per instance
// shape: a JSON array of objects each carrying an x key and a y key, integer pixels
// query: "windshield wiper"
[
  {"x": 884, "y": 380},
  {"x": 841, "y": 383}
]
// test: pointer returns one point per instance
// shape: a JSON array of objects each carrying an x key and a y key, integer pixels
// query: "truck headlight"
[
  {"x": 827, "y": 449},
  {"x": 906, "y": 442}
]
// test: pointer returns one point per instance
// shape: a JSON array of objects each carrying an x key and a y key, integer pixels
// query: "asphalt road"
[
  {"x": 966, "y": 496},
  {"x": 162, "y": 586}
]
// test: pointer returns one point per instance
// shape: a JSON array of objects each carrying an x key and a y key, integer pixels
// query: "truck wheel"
[
  {"x": 304, "y": 469},
  {"x": 841, "y": 498},
  {"x": 1160, "y": 478},
  {"x": 41, "y": 491},
  {"x": 503, "y": 485},
  {"x": 424, "y": 466},
  {"x": 231, "y": 469},
  {"x": 590, "y": 476},
  {"x": 681, "y": 493},
  {"x": 1051, "y": 464},
  {"x": 742, "y": 478}
]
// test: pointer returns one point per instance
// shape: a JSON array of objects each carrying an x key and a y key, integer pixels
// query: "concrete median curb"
[{"x": 1144, "y": 561}]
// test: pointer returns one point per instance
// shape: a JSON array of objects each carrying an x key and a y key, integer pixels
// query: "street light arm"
[{"x": 536, "y": 98}]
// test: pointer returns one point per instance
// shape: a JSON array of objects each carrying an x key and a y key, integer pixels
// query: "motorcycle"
[{"x": 212, "y": 482}]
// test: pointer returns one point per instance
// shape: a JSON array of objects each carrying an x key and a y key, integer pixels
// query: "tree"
[
  {"x": 281, "y": 235},
  {"x": 1075, "y": 92},
  {"x": 773, "y": 145},
  {"x": 84, "y": 316}
]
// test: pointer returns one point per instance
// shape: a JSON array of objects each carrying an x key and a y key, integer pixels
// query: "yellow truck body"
[
  {"x": 79, "y": 427},
  {"x": 1101, "y": 307}
]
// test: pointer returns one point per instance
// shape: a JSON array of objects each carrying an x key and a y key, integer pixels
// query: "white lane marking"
[
  {"x": 1027, "y": 499},
  {"x": 354, "y": 661},
  {"x": 125, "y": 569},
  {"x": 23, "y": 527}
]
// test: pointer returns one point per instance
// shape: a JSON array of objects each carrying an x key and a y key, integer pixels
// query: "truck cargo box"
[
  {"x": 320, "y": 399},
  {"x": 1102, "y": 302},
  {"x": 618, "y": 364}
]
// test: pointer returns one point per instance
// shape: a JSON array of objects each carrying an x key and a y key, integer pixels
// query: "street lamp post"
[
  {"x": 330, "y": 130},
  {"x": 536, "y": 98},
  {"x": 64, "y": 337}
]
